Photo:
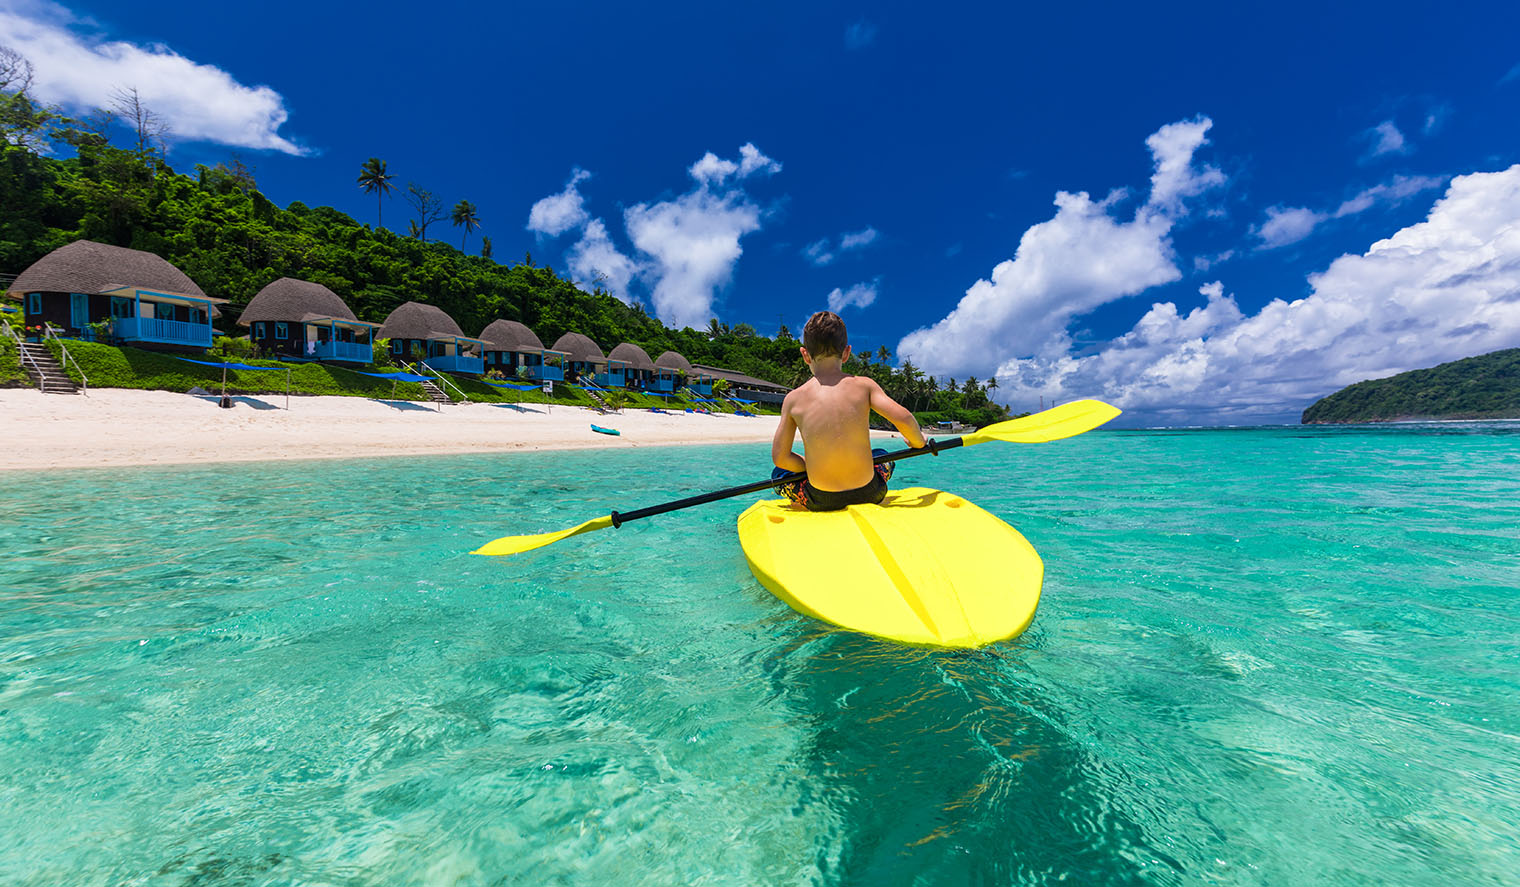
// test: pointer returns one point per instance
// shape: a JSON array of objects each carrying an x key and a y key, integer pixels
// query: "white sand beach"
[{"x": 118, "y": 427}]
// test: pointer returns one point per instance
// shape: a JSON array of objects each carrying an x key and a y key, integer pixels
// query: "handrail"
[
  {"x": 24, "y": 357},
  {"x": 441, "y": 377},
  {"x": 48, "y": 333}
]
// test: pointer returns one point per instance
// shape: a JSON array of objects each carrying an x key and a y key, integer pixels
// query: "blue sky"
[{"x": 906, "y": 160}]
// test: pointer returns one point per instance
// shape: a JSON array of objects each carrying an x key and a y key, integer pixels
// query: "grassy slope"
[
  {"x": 112, "y": 367},
  {"x": 11, "y": 374}
]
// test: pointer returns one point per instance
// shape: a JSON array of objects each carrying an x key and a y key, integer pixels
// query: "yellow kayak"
[{"x": 923, "y": 567}]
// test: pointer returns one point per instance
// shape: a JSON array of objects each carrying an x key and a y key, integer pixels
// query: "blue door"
[{"x": 79, "y": 310}]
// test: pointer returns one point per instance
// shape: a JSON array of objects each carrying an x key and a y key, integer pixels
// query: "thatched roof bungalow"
[
  {"x": 143, "y": 299},
  {"x": 641, "y": 372},
  {"x": 696, "y": 380},
  {"x": 424, "y": 331},
  {"x": 308, "y": 320},
  {"x": 584, "y": 357},
  {"x": 511, "y": 347}
]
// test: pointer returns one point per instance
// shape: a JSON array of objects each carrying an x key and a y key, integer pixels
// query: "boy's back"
[
  {"x": 834, "y": 419},
  {"x": 833, "y": 412}
]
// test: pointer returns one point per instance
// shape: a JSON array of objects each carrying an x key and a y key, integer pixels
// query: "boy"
[{"x": 833, "y": 413}]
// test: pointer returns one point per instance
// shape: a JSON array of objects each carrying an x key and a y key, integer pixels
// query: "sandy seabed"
[{"x": 118, "y": 427}]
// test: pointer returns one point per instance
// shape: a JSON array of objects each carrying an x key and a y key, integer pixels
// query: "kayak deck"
[{"x": 923, "y": 567}]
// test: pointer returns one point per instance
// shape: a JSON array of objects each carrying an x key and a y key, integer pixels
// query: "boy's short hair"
[{"x": 824, "y": 335}]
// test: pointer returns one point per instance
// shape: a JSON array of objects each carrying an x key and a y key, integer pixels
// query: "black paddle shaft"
[{"x": 933, "y": 447}]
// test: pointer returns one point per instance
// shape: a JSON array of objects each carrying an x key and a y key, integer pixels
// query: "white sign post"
[{"x": 548, "y": 392}]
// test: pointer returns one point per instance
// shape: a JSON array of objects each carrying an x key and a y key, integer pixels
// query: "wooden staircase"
[{"x": 40, "y": 364}]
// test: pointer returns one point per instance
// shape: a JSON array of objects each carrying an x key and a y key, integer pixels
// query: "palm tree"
[
  {"x": 464, "y": 214},
  {"x": 375, "y": 180}
]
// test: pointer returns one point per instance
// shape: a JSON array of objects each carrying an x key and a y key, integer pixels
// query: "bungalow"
[
  {"x": 697, "y": 381},
  {"x": 146, "y": 301},
  {"x": 426, "y": 333},
  {"x": 640, "y": 371},
  {"x": 510, "y": 346},
  {"x": 746, "y": 386},
  {"x": 583, "y": 357},
  {"x": 307, "y": 320}
]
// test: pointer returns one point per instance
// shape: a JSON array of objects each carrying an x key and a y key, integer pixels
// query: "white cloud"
[
  {"x": 1396, "y": 191},
  {"x": 1439, "y": 290},
  {"x": 1386, "y": 139},
  {"x": 818, "y": 252},
  {"x": 81, "y": 71},
  {"x": 1287, "y": 224},
  {"x": 595, "y": 262},
  {"x": 860, "y": 295},
  {"x": 752, "y": 161},
  {"x": 857, "y": 239},
  {"x": 821, "y": 252},
  {"x": 693, "y": 241},
  {"x": 686, "y": 248},
  {"x": 558, "y": 213},
  {"x": 1176, "y": 176},
  {"x": 1204, "y": 263},
  {"x": 859, "y": 35},
  {"x": 713, "y": 170},
  {"x": 1080, "y": 259}
]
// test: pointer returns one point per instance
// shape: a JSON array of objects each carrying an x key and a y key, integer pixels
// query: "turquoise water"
[{"x": 1271, "y": 656}]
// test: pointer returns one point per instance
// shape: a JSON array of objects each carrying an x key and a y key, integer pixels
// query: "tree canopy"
[{"x": 1483, "y": 387}]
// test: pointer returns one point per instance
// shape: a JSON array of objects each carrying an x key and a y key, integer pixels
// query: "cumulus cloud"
[
  {"x": 1177, "y": 176},
  {"x": 1082, "y": 258},
  {"x": 685, "y": 248},
  {"x": 595, "y": 262},
  {"x": 751, "y": 161},
  {"x": 1386, "y": 139},
  {"x": 80, "y": 71},
  {"x": 713, "y": 170},
  {"x": 558, "y": 213},
  {"x": 693, "y": 245},
  {"x": 860, "y": 295},
  {"x": 1442, "y": 289}
]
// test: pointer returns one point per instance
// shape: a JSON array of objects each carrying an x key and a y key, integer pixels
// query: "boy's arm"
[
  {"x": 897, "y": 414},
  {"x": 781, "y": 445}
]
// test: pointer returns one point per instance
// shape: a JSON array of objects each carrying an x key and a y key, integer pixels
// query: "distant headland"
[{"x": 1483, "y": 387}]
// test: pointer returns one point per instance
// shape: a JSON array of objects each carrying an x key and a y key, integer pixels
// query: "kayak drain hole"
[
  {"x": 775, "y": 518},
  {"x": 955, "y": 503}
]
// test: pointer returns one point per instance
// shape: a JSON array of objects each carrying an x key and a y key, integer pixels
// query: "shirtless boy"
[{"x": 833, "y": 413}]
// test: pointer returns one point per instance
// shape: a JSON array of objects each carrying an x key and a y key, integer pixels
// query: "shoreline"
[{"x": 117, "y": 427}]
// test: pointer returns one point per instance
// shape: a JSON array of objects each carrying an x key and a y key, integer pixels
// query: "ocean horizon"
[{"x": 1263, "y": 655}]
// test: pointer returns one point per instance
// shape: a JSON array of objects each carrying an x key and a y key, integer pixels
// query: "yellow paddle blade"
[
  {"x": 1066, "y": 420},
  {"x": 518, "y": 544}
]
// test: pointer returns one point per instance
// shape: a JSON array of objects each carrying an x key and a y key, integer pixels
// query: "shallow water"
[{"x": 1263, "y": 656}]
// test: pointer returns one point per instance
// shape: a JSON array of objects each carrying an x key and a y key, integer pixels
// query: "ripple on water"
[{"x": 1263, "y": 656}]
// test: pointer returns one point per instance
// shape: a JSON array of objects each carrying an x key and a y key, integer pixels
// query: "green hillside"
[
  {"x": 1485, "y": 387},
  {"x": 221, "y": 230}
]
